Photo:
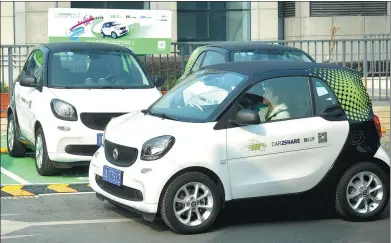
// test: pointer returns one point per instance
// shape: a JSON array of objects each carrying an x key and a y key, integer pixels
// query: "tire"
[
  {"x": 102, "y": 34},
  {"x": 14, "y": 147},
  {"x": 344, "y": 207},
  {"x": 167, "y": 204},
  {"x": 46, "y": 167},
  {"x": 113, "y": 35}
]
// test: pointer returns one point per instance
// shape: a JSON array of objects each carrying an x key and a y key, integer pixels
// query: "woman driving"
[{"x": 275, "y": 109}]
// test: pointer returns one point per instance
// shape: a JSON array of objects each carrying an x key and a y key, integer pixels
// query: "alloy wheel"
[
  {"x": 364, "y": 192},
  {"x": 39, "y": 151},
  {"x": 10, "y": 135},
  {"x": 193, "y": 204}
]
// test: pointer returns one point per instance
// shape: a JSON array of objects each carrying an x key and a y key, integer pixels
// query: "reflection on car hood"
[
  {"x": 108, "y": 100},
  {"x": 135, "y": 128}
]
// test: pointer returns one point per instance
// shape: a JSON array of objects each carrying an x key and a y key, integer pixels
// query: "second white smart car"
[
  {"x": 66, "y": 94},
  {"x": 244, "y": 130}
]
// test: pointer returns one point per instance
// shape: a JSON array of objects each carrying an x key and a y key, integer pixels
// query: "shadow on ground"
[{"x": 256, "y": 212}]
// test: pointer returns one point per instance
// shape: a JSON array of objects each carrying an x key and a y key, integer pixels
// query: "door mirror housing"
[
  {"x": 27, "y": 81},
  {"x": 159, "y": 81},
  {"x": 246, "y": 117}
]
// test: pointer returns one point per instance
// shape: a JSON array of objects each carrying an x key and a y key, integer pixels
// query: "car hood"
[
  {"x": 119, "y": 26},
  {"x": 133, "y": 129},
  {"x": 108, "y": 100}
]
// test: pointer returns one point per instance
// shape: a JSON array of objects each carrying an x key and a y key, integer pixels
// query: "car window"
[
  {"x": 197, "y": 63},
  {"x": 280, "y": 55},
  {"x": 279, "y": 99},
  {"x": 198, "y": 95},
  {"x": 96, "y": 69},
  {"x": 213, "y": 58},
  {"x": 323, "y": 95},
  {"x": 34, "y": 66}
]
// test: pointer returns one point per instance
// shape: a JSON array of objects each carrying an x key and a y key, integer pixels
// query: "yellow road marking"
[
  {"x": 61, "y": 188},
  {"x": 16, "y": 191}
]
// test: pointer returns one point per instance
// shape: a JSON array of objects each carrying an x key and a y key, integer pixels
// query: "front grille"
[
  {"x": 97, "y": 121},
  {"x": 83, "y": 150},
  {"x": 126, "y": 155},
  {"x": 122, "y": 28},
  {"x": 122, "y": 192}
]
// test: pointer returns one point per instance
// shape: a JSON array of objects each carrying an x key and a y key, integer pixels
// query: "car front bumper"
[
  {"x": 148, "y": 178},
  {"x": 121, "y": 32},
  {"x": 70, "y": 142}
]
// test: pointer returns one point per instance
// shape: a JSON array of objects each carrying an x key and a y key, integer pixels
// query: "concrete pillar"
[
  {"x": 7, "y": 23},
  {"x": 264, "y": 20}
]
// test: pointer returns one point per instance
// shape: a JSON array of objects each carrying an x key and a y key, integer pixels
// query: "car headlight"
[
  {"x": 156, "y": 148},
  {"x": 63, "y": 110}
]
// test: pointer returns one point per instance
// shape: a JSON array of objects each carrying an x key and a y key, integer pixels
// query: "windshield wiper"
[
  {"x": 163, "y": 116},
  {"x": 146, "y": 111}
]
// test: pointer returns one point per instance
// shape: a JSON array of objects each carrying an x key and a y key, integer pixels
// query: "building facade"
[{"x": 27, "y": 22}]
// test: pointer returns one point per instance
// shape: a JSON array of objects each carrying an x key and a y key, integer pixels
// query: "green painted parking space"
[
  {"x": 3, "y": 141},
  {"x": 24, "y": 168},
  {"x": 5, "y": 180}
]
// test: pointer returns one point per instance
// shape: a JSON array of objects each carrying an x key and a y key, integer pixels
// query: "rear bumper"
[{"x": 382, "y": 155}]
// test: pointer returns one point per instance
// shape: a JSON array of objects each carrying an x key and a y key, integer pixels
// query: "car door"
[
  {"x": 106, "y": 29},
  {"x": 27, "y": 96},
  {"x": 286, "y": 154}
]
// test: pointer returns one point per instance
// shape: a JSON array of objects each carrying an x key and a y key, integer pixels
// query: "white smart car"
[
  {"x": 65, "y": 96},
  {"x": 113, "y": 29},
  {"x": 245, "y": 130}
]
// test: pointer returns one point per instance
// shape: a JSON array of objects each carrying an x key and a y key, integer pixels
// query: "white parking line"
[{"x": 14, "y": 176}]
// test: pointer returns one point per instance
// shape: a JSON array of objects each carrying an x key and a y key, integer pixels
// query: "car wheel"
[
  {"x": 43, "y": 164},
  {"x": 102, "y": 34},
  {"x": 114, "y": 35},
  {"x": 14, "y": 147},
  {"x": 362, "y": 192},
  {"x": 191, "y": 203}
]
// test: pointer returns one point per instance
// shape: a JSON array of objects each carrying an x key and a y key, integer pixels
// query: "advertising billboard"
[{"x": 143, "y": 31}]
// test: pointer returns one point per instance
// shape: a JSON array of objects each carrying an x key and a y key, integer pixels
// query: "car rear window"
[{"x": 278, "y": 55}]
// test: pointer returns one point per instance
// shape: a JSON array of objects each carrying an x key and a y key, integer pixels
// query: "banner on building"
[{"x": 143, "y": 31}]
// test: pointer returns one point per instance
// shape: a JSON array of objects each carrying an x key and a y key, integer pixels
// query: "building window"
[
  {"x": 286, "y": 9},
  {"x": 110, "y": 5},
  {"x": 213, "y": 21},
  {"x": 345, "y": 8}
]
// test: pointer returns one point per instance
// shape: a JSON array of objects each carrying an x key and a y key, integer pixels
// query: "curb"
[{"x": 36, "y": 190}]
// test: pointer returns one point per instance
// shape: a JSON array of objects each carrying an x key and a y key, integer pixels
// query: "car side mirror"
[
  {"x": 159, "y": 81},
  {"x": 27, "y": 81},
  {"x": 246, "y": 117}
]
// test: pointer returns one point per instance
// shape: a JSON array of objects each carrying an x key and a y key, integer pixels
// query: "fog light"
[
  {"x": 146, "y": 170},
  {"x": 139, "y": 195},
  {"x": 62, "y": 128}
]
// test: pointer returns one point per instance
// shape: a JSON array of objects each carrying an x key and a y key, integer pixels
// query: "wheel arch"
[
  {"x": 383, "y": 165},
  {"x": 199, "y": 169}
]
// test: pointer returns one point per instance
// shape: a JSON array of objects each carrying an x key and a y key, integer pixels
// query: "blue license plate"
[
  {"x": 99, "y": 138},
  {"x": 112, "y": 175}
]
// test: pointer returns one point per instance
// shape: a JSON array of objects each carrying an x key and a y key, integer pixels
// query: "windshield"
[
  {"x": 197, "y": 96},
  {"x": 278, "y": 55},
  {"x": 96, "y": 69}
]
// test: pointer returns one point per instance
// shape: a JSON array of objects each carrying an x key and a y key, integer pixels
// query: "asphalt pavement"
[{"x": 83, "y": 218}]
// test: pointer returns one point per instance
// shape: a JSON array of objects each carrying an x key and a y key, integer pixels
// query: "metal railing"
[{"x": 370, "y": 56}]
